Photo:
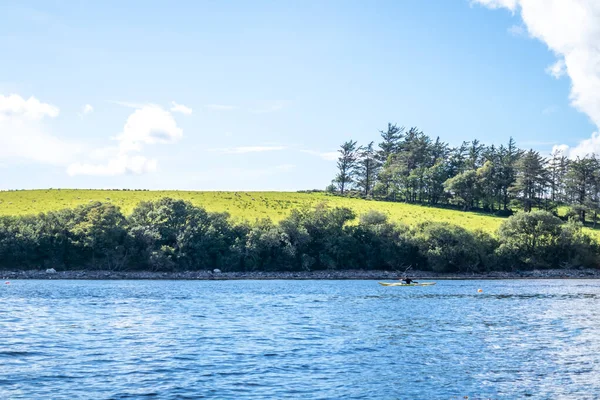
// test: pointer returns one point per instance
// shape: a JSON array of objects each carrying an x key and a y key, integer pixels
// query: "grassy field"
[{"x": 241, "y": 205}]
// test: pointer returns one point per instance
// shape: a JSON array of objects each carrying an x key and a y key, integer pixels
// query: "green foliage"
[
  {"x": 541, "y": 240},
  {"x": 464, "y": 188},
  {"x": 347, "y": 165},
  {"x": 174, "y": 235},
  {"x": 449, "y": 248}
]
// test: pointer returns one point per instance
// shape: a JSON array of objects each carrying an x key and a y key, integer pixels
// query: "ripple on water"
[{"x": 299, "y": 339}]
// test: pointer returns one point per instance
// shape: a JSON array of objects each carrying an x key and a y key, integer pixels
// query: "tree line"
[
  {"x": 174, "y": 235},
  {"x": 409, "y": 166}
]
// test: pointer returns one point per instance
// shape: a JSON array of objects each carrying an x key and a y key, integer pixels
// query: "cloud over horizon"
[
  {"x": 148, "y": 125},
  {"x": 25, "y": 135},
  {"x": 325, "y": 155},
  {"x": 571, "y": 30},
  {"x": 180, "y": 108}
]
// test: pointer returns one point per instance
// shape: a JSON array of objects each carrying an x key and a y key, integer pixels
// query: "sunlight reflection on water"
[{"x": 299, "y": 339}]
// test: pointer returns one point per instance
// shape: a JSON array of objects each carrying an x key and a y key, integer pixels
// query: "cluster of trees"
[
  {"x": 174, "y": 235},
  {"x": 409, "y": 166}
]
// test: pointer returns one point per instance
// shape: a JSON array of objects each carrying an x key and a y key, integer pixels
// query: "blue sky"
[{"x": 207, "y": 95}]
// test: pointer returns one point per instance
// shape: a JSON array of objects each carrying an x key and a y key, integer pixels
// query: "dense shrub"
[
  {"x": 174, "y": 235},
  {"x": 382, "y": 245},
  {"x": 450, "y": 248},
  {"x": 541, "y": 240}
]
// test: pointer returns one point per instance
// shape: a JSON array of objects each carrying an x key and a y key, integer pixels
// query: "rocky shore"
[{"x": 347, "y": 274}]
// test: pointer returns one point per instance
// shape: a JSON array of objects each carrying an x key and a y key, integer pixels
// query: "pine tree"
[
  {"x": 579, "y": 183},
  {"x": 508, "y": 157},
  {"x": 390, "y": 142},
  {"x": 531, "y": 180},
  {"x": 347, "y": 163},
  {"x": 367, "y": 167}
]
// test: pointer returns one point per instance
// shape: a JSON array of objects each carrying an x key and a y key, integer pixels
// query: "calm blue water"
[{"x": 299, "y": 340}]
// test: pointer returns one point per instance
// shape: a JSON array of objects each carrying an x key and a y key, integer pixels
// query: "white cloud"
[
  {"x": 570, "y": 29},
  {"x": 87, "y": 109},
  {"x": 15, "y": 106},
  {"x": 220, "y": 107},
  {"x": 148, "y": 125},
  {"x": 25, "y": 136},
  {"x": 510, "y": 4},
  {"x": 180, "y": 108},
  {"x": 270, "y": 107},
  {"x": 249, "y": 149},
  {"x": 517, "y": 30},
  {"x": 557, "y": 70},
  {"x": 328, "y": 155},
  {"x": 285, "y": 167},
  {"x": 584, "y": 148}
]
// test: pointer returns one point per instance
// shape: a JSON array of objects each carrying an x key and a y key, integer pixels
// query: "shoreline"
[{"x": 303, "y": 275}]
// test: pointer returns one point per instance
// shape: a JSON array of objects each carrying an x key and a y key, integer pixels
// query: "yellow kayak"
[{"x": 406, "y": 284}]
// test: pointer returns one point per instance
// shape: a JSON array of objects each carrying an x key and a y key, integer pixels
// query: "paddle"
[{"x": 404, "y": 274}]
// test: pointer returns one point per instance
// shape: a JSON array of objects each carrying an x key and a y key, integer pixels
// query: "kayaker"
[{"x": 407, "y": 280}]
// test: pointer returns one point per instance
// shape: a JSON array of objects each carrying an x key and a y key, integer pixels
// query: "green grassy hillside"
[{"x": 241, "y": 205}]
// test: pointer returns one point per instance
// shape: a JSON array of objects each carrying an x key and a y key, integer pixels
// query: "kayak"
[{"x": 406, "y": 284}]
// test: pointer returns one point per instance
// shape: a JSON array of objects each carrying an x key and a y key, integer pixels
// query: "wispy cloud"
[
  {"x": 269, "y": 107},
  {"x": 558, "y": 69},
  {"x": 220, "y": 107},
  {"x": 550, "y": 110},
  {"x": 248, "y": 149},
  {"x": 285, "y": 167},
  {"x": 510, "y": 4},
  {"x": 517, "y": 30},
  {"x": 536, "y": 143},
  {"x": 85, "y": 110},
  {"x": 327, "y": 155},
  {"x": 180, "y": 108}
]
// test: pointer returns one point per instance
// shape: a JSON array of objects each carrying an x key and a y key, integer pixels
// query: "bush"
[
  {"x": 448, "y": 248},
  {"x": 173, "y": 235},
  {"x": 541, "y": 240},
  {"x": 382, "y": 245}
]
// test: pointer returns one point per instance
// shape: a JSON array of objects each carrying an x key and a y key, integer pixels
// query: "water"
[{"x": 299, "y": 340}]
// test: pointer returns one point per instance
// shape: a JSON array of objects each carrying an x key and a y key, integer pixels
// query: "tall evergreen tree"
[
  {"x": 531, "y": 180},
  {"x": 487, "y": 180},
  {"x": 508, "y": 157},
  {"x": 390, "y": 142},
  {"x": 579, "y": 183},
  {"x": 415, "y": 150},
  {"x": 475, "y": 158},
  {"x": 367, "y": 167},
  {"x": 439, "y": 151},
  {"x": 347, "y": 163},
  {"x": 557, "y": 168}
]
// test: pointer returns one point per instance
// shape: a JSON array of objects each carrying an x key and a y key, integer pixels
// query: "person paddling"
[{"x": 407, "y": 280}]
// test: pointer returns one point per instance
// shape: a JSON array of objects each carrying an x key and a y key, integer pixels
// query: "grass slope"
[{"x": 240, "y": 205}]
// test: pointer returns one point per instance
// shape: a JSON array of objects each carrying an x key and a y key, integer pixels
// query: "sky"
[{"x": 238, "y": 95}]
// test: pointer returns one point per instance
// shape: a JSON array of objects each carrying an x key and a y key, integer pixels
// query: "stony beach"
[{"x": 332, "y": 275}]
